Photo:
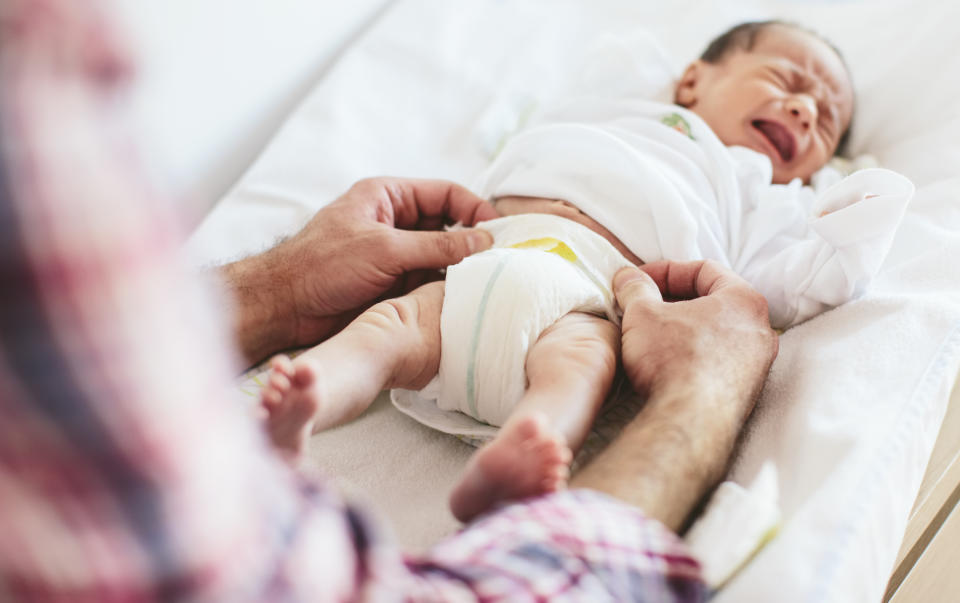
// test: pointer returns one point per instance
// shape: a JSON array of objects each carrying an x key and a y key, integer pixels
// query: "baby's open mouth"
[{"x": 779, "y": 137}]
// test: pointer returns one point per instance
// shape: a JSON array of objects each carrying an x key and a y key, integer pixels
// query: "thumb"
[
  {"x": 632, "y": 285},
  {"x": 431, "y": 249}
]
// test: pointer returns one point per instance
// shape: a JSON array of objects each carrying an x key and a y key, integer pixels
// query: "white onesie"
[{"x": 657, "y": 177}]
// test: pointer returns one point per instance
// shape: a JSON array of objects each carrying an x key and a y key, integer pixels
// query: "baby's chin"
[
  {"x": 783, "y": 174},
  {"x": 787, "y": 175}
]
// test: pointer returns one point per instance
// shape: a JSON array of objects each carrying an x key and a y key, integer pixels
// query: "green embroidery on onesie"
[{"x": 678, "y": 123}]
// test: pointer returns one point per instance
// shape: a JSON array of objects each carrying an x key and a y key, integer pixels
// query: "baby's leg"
[
  {"x": 395, "y": 343},
  {"x": 569, "y": 371}
]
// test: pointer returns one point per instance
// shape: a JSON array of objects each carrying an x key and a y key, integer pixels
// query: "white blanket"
[{"x": 855, "y": 399}]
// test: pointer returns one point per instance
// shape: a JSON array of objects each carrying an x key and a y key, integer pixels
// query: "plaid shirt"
[{"x": 125, "y": 474}]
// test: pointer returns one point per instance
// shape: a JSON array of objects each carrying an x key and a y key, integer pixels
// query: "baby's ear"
[{"x": 686, "y": 93}]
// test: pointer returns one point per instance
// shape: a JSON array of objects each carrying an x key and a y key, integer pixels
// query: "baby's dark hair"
[{"x": 743, "y": 37}]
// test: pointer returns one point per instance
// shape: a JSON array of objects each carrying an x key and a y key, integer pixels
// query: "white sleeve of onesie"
[{"x": 808, "y": 256}]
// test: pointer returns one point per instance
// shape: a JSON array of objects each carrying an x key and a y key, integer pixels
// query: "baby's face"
[{"x": 790, "y": 98}]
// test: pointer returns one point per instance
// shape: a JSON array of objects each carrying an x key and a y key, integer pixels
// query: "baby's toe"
[
  {"x": 555, "y": 480},
  {"x": 270, "y": 397},
  {"x": 279, "y": 381},
  {"x": 282, "y": 364},
  {"x": 303, "y": 375}
]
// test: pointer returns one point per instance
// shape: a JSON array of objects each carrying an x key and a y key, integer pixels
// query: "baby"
[{"x": 529, "y": 329}]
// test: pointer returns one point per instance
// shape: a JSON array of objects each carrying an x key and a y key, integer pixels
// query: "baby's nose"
[{"x": 803, "y": 109}]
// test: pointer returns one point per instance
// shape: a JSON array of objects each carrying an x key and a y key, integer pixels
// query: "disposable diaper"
[{"x": 496, "y": 304}]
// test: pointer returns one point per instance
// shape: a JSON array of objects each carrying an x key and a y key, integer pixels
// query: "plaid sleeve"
[
  {"x": 570, "y": 546},
  {"x": 126, "y": 474}
]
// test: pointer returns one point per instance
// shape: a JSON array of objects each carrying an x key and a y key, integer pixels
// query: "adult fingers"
[
  {"x": 631, "y": 286},
  {"x": 422, "y": 201},
  {"x": 689, "y": 280},
  {"x": 414, "y": 250}
]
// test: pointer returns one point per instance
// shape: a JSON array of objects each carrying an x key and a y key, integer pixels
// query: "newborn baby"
[
  {"x": 755, "y": 118},
  {"x": 529, "y": 337}
]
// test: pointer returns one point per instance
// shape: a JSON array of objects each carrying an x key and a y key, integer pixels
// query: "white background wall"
[{"x": 217, "y": 77}]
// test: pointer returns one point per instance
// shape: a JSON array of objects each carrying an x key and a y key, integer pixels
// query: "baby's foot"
[
  {"x": 292, "y": 400},
  {"x": 524, "y": 460}
]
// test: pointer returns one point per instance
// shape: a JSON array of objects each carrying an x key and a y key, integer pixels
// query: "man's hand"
[
  {"x": 376, "y": 240},
  {"x": 700, "y": 358},
  {"x": 712, "y": 330}
]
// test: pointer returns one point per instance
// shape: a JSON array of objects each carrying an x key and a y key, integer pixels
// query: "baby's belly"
[{"x": 511, "y": 206}]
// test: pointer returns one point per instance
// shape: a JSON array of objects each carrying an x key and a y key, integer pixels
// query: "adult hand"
[
  {"x": 701, "y": 361},
  {"x": 715, "y": 334},
  {"x": 359, "y": 248}
]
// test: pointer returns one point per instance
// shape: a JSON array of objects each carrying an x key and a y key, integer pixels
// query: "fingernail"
[
  {"x": 625, "y": 275},
  {"x": 478, "y": 240}
]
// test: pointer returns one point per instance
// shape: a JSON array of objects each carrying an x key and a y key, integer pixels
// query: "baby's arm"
[{"x": 807, "y": 265}]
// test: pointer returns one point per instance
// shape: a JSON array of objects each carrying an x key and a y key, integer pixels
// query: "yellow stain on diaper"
[
  {"x": 558, "y": 247},
  {"x": 550, "y": 245}
]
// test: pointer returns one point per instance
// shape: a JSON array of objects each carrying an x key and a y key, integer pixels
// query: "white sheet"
[{"x": 854, "y": 402}]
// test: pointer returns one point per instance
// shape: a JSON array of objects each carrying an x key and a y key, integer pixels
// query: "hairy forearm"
[
  {"x": 674, "y": 451},
  {"x": 261, "y": 305}
]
